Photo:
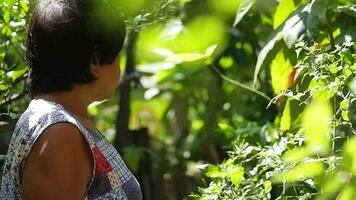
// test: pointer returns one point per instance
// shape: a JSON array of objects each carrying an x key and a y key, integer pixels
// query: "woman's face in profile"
[{"x": 108, "y": 78}]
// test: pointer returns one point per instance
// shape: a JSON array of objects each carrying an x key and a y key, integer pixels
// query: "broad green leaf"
[
  {"x": 344, "y": 104},
  {"x": 190, "y": 57},
  {"x": 345, "y": 115},
  {"x": 303, "y": 21},
  {"x": 155, "y": 67},
  {"x": 199, "y": 34},
  {"x": 214, "y": 172},
  {"x": 19, "y": 72},
  {"x": 267, "y": 185},
  {"x": 316, "y": 121},
  {"x": 267, "y": 53},
  {"x": 244, "y": 7},
  {"x": 10, "y": 3},
  {"x": 281, "y": 68},
  {"x": 185, "y": 57},
  {"x": 284, "y": 8},
  {"x": 331, "y": 185},
  {"x": 347, "y": 193},
  {"x": 24, "y": 5},
  {"x": 301, "y": 172},
  {"x": 349, "y": 157},
  {"x": 150, "y": 44},
  {"x": 295, "y": 155},
  {"x": 226, "y": 8},
  {"x": 3, "y": 87},
  {"x": 225, "y": 127},
  {"x": 236, "y": 175},
  {"x": 7, "y": 17},
  {"x": 286, "y": 119}
]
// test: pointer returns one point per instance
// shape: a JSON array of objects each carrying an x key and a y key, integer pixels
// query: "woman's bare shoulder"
[{"x": 59, "y": 164}]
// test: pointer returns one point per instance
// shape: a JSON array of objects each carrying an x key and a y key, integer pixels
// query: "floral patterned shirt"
[{"x": 111, "y": 179}]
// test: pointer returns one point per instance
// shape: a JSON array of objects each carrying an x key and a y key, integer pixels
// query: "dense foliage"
[
  {"x": 307, "y": 153},
  {"x": 257, "y": 97}
]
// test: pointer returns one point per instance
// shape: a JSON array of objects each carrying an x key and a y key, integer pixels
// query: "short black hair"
[{"x": 65, "y": 36}]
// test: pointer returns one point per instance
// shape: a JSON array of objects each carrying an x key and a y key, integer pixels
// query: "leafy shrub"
[{"x": 310, "y": 154}]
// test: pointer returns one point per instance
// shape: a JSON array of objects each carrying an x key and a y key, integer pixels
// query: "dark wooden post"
[{"x": 123, "y": 137}]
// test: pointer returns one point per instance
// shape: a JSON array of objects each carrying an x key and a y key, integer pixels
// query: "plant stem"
[{"x": 246, "y": 87}]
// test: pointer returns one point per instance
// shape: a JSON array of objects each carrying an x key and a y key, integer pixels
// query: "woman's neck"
[{"x": 73, "y": 101}]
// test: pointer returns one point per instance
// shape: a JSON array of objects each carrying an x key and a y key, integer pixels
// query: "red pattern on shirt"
[{"x": 102, "y": 165}]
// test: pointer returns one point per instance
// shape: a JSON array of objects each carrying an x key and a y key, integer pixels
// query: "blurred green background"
[{"x": 221, "y": 99}]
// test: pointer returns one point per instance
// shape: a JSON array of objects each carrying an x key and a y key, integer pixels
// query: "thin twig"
[
  {"x": 7, "y": 102},
  {"x": 246, "y": 87}
]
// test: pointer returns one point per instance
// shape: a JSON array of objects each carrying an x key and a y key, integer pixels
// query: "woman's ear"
[{"x": 94, "y": 69}]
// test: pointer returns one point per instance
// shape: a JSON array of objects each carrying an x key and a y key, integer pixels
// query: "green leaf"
[
  {"x": 236, "y": 175},
  {"x": 24, "y": 5},
  {"x": 348, "y": 193},
  {"x": 244, "y": 7},
  {"x": 349, "y": 157},
  {"x": 7, "y": 17},
  {"x": 185, "y": 57},
  {"x": 3, "y": 87},
  {"x": 267, "y": 54},
  {"x": 345, "y": 115},
  {"x": 334, "y": 68},
  {"x": 301, "y": 172},
  {"x": 344, "y": 104},
  {"x": 267, "y": 185},
  {"x": 284, "y": 8},
  {"x": 295, "y": 155},
  {"x": 281, "y": 68},
  {"x": 19, "y": 72},
  {"x": 305, "y": 20},
  {"x": 316, "y": 121},
  {"x": 10, "y": 3},
  {"x": 286, "y": 119},
  {"x": 214, "y": 172},
  {"x": 2, "y": 56}
]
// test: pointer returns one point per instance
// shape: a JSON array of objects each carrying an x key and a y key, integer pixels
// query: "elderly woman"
[{"x": 55, "y": 151}]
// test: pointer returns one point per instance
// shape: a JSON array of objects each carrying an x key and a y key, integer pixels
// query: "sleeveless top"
[{"x": 111, "y": 178}]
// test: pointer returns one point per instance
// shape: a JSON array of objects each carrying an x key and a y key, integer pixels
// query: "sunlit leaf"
[
  {"x": 303, "y": 21},
  {"x": 19, "y": 72},
  {"x": 267, "y": 186},
  {"x": 225, "y": 8},
  {"x": 201, "y": 33},
  {"x": 347, "y": 193},
  {"x": 301, "y": 172},
  {"x": 349, "y": 161},
  {"x": 3, "y": 87},
  {"x": 281, "y": 68},
  {"x": 296, "y": 155},
  {"x": 284, "y": 8},
  {"x": 214, "y": 172},
  {"x": 286, "y": 120},
  {"x": 236, "y": 175},
  {"x": 317, "y": 125}
]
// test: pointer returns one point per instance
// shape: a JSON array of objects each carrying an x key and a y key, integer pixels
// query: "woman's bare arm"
[{"x": 59, "y": 165}]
